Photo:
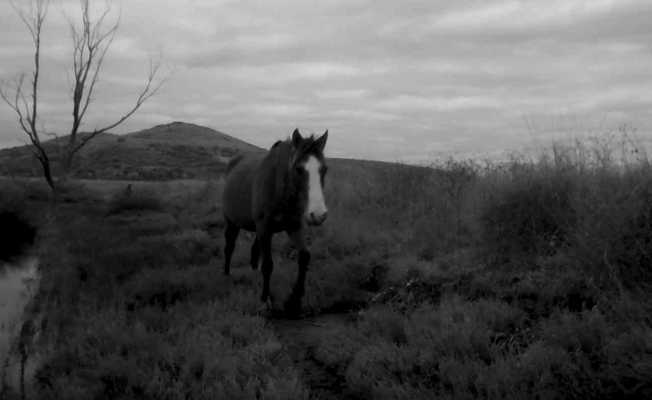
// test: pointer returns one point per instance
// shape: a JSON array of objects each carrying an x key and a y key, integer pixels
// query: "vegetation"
[
  {"x": 536, "y": 289},
  {"x": 524, "y": 279}
]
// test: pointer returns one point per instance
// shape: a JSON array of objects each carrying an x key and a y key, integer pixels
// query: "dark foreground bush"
[
  {"x": 16, "y": 233},
  {"x": 21, "y": 207}
]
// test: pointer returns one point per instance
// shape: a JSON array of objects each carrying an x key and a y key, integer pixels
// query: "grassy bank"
[
  {"x": 524, "y": 279},
  {"x": 133, "y": 305}
]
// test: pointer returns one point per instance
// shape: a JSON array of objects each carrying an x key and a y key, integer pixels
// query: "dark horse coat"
[{"x": 274, "y": 192}]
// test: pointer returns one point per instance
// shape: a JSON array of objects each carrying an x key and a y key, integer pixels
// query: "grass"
[
  {"x": 524, "y": 279},
  {"x": 128, "y": 201},
  {"x": 149, "y": 315}
]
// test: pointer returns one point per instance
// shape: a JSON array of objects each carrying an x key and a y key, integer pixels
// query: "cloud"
[
  {"x": 521, "y": 15},
  {"x": 280, "y": 73},
  {"x": 342, "y": 94},
  {"x": 407, "y": 102},
  {"x": 391, "y": 80}
]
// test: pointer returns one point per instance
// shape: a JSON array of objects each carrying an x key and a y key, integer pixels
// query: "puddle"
[{"x": 18, "y": 284}]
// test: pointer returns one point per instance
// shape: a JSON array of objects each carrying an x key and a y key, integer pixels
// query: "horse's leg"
[
  {"x": 293, "y": 303},
  {"x": 255, "y": 254},
  {"x": 230, "y": 235},
  {"x": 265, "y": 245}
]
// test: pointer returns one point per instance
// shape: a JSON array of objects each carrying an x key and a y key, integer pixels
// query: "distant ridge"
[
  {"x": 177, "y": 150},
  {"x": 199, "y": 134}
]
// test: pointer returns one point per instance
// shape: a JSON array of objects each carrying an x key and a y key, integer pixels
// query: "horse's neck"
[{"x": 280, "y": 158}]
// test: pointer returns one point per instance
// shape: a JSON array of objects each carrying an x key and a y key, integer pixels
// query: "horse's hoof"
[
  {"x": 293, "y": 308},
  {"x": 266, "y": 308},
  {"x": 255, "y": 265}
]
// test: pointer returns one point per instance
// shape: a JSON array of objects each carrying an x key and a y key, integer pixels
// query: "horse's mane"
[{"x": 307, "y": 145}]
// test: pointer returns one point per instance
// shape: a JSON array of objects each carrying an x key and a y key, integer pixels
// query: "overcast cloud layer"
[{"x": 391, "y": 80}]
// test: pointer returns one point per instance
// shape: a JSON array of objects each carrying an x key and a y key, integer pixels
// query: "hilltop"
[{"x": 169, "y": 151}]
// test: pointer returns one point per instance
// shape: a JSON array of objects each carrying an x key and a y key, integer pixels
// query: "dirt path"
[{"x": 300, "y": 337}]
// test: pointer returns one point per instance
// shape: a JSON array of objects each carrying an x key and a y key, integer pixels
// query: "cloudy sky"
[{"x": 391, "y": 80}]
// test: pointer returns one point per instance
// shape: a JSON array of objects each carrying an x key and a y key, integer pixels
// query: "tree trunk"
[{"x": 47, "y": 171}]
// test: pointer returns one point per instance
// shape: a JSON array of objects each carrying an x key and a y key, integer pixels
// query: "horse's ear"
[
  {"x": 296, "y": 138},
  {"x": 321, "y": 142}
]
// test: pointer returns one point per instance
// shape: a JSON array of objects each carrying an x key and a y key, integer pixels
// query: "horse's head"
[{"x": 308, "y": 168}]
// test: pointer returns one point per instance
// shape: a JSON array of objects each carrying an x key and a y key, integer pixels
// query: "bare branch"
[
  {"x": 91, "y": 43},
  {"x": 149, "y": 90},
  {"x": 15, "y": 103},
  {"x": 103, "y": 48},
  {"x": 23, "y": 101},
  {"x": 31, "y": 18},
  {"x": 6, "y": 97}
]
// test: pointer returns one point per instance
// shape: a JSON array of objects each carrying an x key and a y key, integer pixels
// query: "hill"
[{"x": 170, "y": 151}]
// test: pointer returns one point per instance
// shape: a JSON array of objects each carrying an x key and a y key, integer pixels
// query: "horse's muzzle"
[{"x": 316, "y": 219}]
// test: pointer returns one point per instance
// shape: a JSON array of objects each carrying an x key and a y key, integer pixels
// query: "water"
[{"x": 18, "y": 284}]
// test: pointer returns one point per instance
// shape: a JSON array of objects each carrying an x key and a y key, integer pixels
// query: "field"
[{"x": 523, "y": 279}]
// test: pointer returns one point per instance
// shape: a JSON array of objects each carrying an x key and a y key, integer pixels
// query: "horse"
[{"x": 274, "y": 192}]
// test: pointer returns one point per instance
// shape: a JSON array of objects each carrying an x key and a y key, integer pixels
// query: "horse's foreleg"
[
  {"x": 255, "y": 254},
  {"x": 265, "y": 246},
  {"x": 230, "y": 235},
  {"x": 293, "y": 304}
]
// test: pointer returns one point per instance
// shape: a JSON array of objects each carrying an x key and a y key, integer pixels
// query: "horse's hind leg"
[
  {"x": 230, "y": 235},
  {"x": 255, "y": 254}
]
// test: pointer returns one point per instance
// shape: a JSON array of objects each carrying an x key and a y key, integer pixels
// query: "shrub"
[
  {"x": 614, "y": 239},
  {"x": 130, "y": 200},
  {"x": 434, "y": 351},
  {"x": 530, "y": 212}
]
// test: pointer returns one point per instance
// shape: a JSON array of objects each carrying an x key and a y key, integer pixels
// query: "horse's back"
[{"x": 237, "y": 196}]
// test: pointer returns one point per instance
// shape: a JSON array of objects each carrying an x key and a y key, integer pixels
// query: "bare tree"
[
  {"x": 91, "y": 40},
  {"x": 27, "y": 108}
]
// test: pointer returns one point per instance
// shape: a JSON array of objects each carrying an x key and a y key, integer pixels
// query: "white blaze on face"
[{"x": 316, "y": 205}]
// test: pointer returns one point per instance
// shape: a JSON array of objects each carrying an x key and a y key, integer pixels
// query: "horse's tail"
[{"x": 233, "y": 162}]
